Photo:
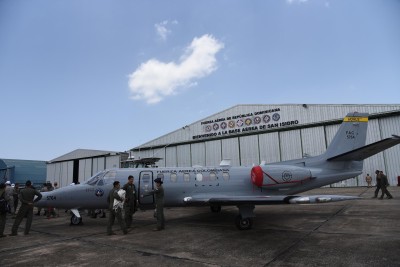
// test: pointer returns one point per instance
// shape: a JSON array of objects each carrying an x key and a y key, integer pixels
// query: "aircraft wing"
[
  {"x": 263, "y": 200},
  {"x": 368, "y": 150}
]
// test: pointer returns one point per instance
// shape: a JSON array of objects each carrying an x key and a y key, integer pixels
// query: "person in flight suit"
[
  {"x": 368, "y": 179},
  {"x": 384, "y": 185},
  {"x": 130, "y": 204},
  {"x": 26, "y": 196},
  {"x": 158, "y": 192},
  {"x": 10, "y": 196},
  {"x": 378, "y": 183},
  {"x": 115, "y": 212},
  {"x": 3, "y": 215}
]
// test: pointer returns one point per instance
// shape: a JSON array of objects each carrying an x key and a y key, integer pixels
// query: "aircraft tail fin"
[{"x": 351, "y": 135}]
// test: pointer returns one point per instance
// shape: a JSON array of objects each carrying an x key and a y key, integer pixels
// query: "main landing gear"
[{"x": 244, "y": 221}]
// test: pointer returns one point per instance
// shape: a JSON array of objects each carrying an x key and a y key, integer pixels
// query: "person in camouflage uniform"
[
  {"x": 26, "y": 196},
  {"x": 115, "y": 212},
  {"x": 3, "y": 215},
  {"x": 158, "y": 192},
  {"x": 130, "y": 204},
  {"x": 384, "y": 185}
]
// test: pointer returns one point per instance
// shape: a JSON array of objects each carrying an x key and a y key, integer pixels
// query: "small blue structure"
[{"x": 18, "y": 171}]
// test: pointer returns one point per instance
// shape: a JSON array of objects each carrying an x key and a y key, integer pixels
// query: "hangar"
[
  {"x": 251, "y": 134},
  {"x": 81, "y": 164},
  {"x": 18, "y": 171}
]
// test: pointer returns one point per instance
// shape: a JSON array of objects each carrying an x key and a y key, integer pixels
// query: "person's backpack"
[{"x": 4, "y": 207}]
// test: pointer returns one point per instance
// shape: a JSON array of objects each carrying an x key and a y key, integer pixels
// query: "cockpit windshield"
[{"x": 102, "y": 178}]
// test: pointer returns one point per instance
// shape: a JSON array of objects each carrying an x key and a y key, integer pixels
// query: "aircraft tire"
[
  {"x": 243, "y": 223},
  {"x": 75, "y": 220},
  {"x": 215, "y": 208}
]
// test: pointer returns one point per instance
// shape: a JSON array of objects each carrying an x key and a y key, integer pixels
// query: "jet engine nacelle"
[{"x": 278, "y": 176}]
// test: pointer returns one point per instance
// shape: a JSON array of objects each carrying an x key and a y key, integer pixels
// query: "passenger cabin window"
[
  {"x": 174, "y": 177},
  {"x": 186, "y": 177},
  {"x": 199, "y": 177},
  {"x": 225, "y": 175},
  {"x": 213, "y": 176}
]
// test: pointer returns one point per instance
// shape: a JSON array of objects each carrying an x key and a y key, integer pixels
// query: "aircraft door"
[{"x": 145, "y": 185}]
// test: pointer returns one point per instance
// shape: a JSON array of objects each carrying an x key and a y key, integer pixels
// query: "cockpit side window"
[
  {"x": 95, "y": 178},
  {"x": 109, "y": 177},
  {"x": 102, "y": 178}
]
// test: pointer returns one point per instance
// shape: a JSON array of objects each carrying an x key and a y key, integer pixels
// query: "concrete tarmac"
[{"x": 364, "y": 232}]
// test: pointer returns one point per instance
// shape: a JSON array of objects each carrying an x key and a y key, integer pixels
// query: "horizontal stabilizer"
[
  {"x": 265, "y": 200},
  {"x": 368, "y": 150}
]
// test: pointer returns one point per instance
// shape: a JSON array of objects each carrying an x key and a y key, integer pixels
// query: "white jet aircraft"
[{"x": 225, "y": 185}]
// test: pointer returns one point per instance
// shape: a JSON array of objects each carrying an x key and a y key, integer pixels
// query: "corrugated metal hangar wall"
[
  {"x": 81, "y": 164},
  {"x": 250, "y": 134}
]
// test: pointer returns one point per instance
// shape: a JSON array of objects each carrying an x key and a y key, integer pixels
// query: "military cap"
[{"x": 158, "y": 180}]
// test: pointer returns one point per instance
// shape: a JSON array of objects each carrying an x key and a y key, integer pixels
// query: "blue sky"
[{"x": 112, "y": 75}]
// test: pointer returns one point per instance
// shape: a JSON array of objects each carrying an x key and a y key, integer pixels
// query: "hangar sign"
[{"x": 241, "y": 123}]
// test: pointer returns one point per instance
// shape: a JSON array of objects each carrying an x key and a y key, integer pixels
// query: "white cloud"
[
  {"x": 296, "y": 1},
  {"x": 162, "y": 30},
  {"x": 154, "y": 80}
]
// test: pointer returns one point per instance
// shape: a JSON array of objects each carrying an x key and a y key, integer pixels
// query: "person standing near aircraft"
[
  {"x": 384, "y": 185},
  {"x": 368, "y": 179},
  {"x": 159, "y": 196},
  {"x": 378, "y": 183},
  {"x": 54, "y": 209},
  {"x": 43, "y": 189},
  {"x": 26, "y": 196},
  {"x": 130, "y": 204},
  {"x": 115, "y": 212},
  {"x": 10, "y": 195},
  {"x": 15, "y": 194},
  {"x": 3, "y": 214}
]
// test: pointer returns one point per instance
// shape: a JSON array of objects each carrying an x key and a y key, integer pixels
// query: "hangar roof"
[
  {"x": 211, "y": 127},
  {"x": 84, "y": 153}
]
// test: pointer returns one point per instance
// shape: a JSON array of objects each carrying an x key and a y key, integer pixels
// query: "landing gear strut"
[
  {"x": 244, "y": 221},
  {"x": 76, "y": 218}
]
